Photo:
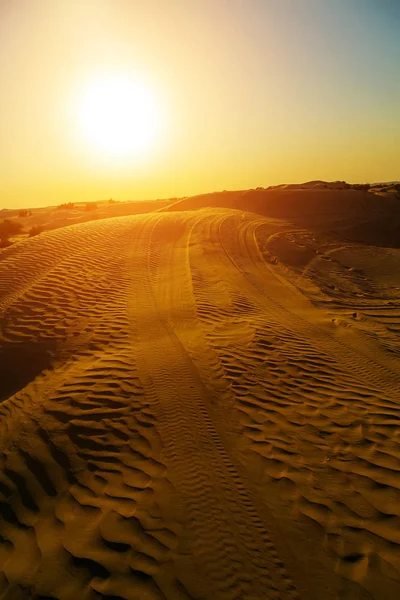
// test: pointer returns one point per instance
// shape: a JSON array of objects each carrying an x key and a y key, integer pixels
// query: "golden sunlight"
[{"x": 119, "y": 117}]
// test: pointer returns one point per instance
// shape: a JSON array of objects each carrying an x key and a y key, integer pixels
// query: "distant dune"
[
  {"x": 203, "y": 402},
  {"x": 371, "y": 216}
]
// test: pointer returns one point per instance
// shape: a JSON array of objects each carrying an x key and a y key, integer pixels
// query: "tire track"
[{"x": 221, "y": 517}]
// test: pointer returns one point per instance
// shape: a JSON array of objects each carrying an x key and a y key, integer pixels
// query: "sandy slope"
[
  {"x": 199, "y": 405},
  {"x": 53, "y": 217}
]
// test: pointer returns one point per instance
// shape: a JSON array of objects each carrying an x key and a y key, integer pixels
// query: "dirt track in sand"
[{"x": 199, "y": 404}]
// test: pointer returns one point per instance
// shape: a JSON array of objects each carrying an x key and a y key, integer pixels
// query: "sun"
[{"x": 119, "y": 117}]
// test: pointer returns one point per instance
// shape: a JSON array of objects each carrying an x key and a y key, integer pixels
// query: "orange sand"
[{"x": 204, "y": 404}]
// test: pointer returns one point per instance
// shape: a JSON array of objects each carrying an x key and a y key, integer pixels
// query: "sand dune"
[
  {"x": 371, "y": 217},
  {"x": 203, "y": 404}
]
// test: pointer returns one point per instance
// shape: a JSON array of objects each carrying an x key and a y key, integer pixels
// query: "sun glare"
[{"x": 119, "y": 117}]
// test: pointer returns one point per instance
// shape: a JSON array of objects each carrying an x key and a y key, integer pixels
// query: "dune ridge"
[{"x": 202, "y": 403}]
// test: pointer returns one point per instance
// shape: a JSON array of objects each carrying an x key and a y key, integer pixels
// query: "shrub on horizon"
[
  {"x": 363, "y": 187},
  {"x": 35, "y": 230},
  {"x": 65, "y": 206},
  {"x": 8, "y": 228}
]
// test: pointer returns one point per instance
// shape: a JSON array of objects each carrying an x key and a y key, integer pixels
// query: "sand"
[{"x": 204, "y": 403}]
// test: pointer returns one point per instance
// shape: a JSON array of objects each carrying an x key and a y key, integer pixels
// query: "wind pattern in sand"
[{"x": 200, "y": 404}]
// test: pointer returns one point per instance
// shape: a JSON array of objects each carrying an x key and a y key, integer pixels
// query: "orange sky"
[{"x": 249, "y": 93}]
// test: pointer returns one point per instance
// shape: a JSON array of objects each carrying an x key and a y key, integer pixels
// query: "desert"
[
  {"x": 199, "y": 300},
  {"x": 202, "y": 401}
]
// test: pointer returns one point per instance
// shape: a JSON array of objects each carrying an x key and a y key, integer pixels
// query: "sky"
[{"x": 247, "y": 93}]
